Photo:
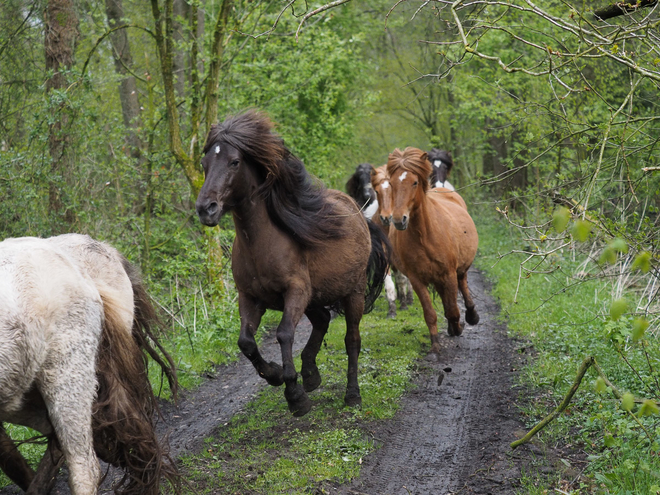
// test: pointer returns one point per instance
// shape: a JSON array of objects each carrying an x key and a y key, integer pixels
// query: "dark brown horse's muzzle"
[{"x": 209, "y": 213}]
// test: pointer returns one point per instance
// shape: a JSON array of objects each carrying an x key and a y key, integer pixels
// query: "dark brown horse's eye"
[{"x": 234, "y": 163}]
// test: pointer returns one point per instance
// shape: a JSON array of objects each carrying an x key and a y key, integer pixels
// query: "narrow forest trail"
[
  {"x": 446, "y": 439},
  {"x": 454, "y": 437}
]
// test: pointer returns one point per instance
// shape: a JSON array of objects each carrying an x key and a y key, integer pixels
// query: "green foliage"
[{"x": 564, "y": 315}]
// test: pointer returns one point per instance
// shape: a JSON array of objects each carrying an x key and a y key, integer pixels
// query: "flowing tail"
[
  {"x": 124, "y": 433},
  {"x": 379, "y": 263}
]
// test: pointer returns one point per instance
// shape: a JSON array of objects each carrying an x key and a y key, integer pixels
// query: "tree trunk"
[
  {"x": 128, "y": 94},
  {"x": 61, "y": 34}
]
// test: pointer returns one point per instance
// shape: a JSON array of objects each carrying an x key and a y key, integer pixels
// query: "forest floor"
[{"x": 451, "y": 434}]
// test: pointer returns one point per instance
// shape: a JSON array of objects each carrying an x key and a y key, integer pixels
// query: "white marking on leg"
[{"x": 390, "y": 291}]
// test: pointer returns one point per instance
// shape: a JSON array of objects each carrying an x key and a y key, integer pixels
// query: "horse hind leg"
[
  {"x": 68, "y": 388},
  {"x": 354, "y": 305},
  {"x": 471, "y": 315},
  {"x": 320, "y": 319}
]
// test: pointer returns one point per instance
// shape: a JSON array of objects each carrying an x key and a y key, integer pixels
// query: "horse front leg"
[
  {"x": 471, "y": 315},
  {"x": 448, "y": 290},
  {"x": 251, "y": 312},
  {"x": 295, "y": 302},
  {"x": 354, "y": 308},
  {"x": 320, "y": 319},
  {"x": 430, "y": 316}
]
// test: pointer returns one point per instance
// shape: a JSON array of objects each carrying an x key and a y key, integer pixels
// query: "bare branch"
[
  {"x": 621, "y": 8},
  {"x": 314, "y": 12}
]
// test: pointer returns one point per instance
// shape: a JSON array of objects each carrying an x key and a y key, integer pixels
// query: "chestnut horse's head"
[
  {"x": 381, "y": 184},
  {"x": 409, "y": 171}
]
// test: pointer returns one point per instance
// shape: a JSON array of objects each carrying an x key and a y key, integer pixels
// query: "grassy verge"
[
  {"x": 566, "y": 318},
  {"x": 266, "y": 450}
]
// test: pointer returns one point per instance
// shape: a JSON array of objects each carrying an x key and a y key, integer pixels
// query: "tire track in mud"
[{"x": 454, "y": 437}]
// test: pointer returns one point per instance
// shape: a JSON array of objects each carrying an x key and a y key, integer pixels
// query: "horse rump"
[{"x": 123, "y": 415}]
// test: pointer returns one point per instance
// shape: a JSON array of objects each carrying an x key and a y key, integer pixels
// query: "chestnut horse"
[
  {"x": 299, "y": 248},
  {"x": 380, "y": 181},
  {"x": 75, "y": 331},
  {"x": 435, "y": 240}
]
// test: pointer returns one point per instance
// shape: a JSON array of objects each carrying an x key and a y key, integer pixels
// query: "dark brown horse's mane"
[
  {"x": 443, "y": 156},
  {"x": 295, "y": 201},
  {"x": 411, "y": 160},
  {"x": 123, "y": 415}
]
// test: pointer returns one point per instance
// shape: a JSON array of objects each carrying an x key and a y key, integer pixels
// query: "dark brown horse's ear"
[{"x": 373, "y": 171}]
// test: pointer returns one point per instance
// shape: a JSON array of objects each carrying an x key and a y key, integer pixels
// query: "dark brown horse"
[
  {"x": 299, "y": 248},
  {"x": 435, "y": 240}
]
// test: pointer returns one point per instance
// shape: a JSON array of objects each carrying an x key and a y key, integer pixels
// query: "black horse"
[
  {"x": 360, "y": 189},
  {"x": 442, "y": 165}
]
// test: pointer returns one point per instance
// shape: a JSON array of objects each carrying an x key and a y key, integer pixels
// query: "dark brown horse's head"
[
  {"x": 409, "y": 171},
  {"x": 380, "y": 181},
  {"x": 230, "y": 147}
]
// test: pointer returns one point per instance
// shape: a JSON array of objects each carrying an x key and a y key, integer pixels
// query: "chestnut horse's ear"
[
  {"x": 425, "y": 156},
  {"x": 373, "y": 170}
]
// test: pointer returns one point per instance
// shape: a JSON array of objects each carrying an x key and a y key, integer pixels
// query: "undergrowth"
[{"x": 567, "y": 315}]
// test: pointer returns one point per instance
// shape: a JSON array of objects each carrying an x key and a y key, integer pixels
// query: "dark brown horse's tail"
[
  {"x": 123, "y": 418},
  {"x": 379, "y": 263}
]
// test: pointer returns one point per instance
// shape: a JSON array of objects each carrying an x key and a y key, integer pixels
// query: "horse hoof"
[
  {"x": 311, "y": 381},
  {"x": 299, "y": 402},
  {"x": 391, "y": 315},
  {"x": 353, "y": 399},
  {"x": 471, "y": 316},
  {"x": 301, "y": 407},
  {"x": 409, "y": 300},
  {"x": 455, "y": 330},
  {"x": 274, "y": 375}
]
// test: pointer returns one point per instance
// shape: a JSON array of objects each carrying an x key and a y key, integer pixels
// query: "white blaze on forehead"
[
  {"x": 403, "y": 176},
  {"x": 386, "y": 184},
  {"x": 437, "y": 163},
  {"x": 217, "y": 149}
]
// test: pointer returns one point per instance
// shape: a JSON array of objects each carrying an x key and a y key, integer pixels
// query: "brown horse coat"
[
  {"x": 434, "y": 239},
  {"x": 299, "y": 248}
]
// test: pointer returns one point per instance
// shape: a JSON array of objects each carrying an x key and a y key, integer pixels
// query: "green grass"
[
  {"x": 566, "y": 319},
  {"x": 266, "y": 450}
]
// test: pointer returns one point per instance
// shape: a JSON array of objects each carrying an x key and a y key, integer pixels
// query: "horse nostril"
[
  {"x": 404, "y": 220},
  {"x": 212, "y": 208}
]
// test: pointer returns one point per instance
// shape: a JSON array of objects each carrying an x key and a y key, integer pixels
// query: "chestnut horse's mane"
[
  {"x": 411, "y": 160},
  {"x": 379, "y": 175},
  {"x": 294, "y": 200}
]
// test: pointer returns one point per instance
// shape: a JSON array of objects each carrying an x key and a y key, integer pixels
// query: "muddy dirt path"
[
  {"x": 454, "y": 437},
  {"x": 446, "y": 439}
]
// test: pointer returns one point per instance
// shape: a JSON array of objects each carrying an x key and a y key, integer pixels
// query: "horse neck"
[
  {"x": 419, "y": 214},
  {"x": 251, "y": 219}
]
